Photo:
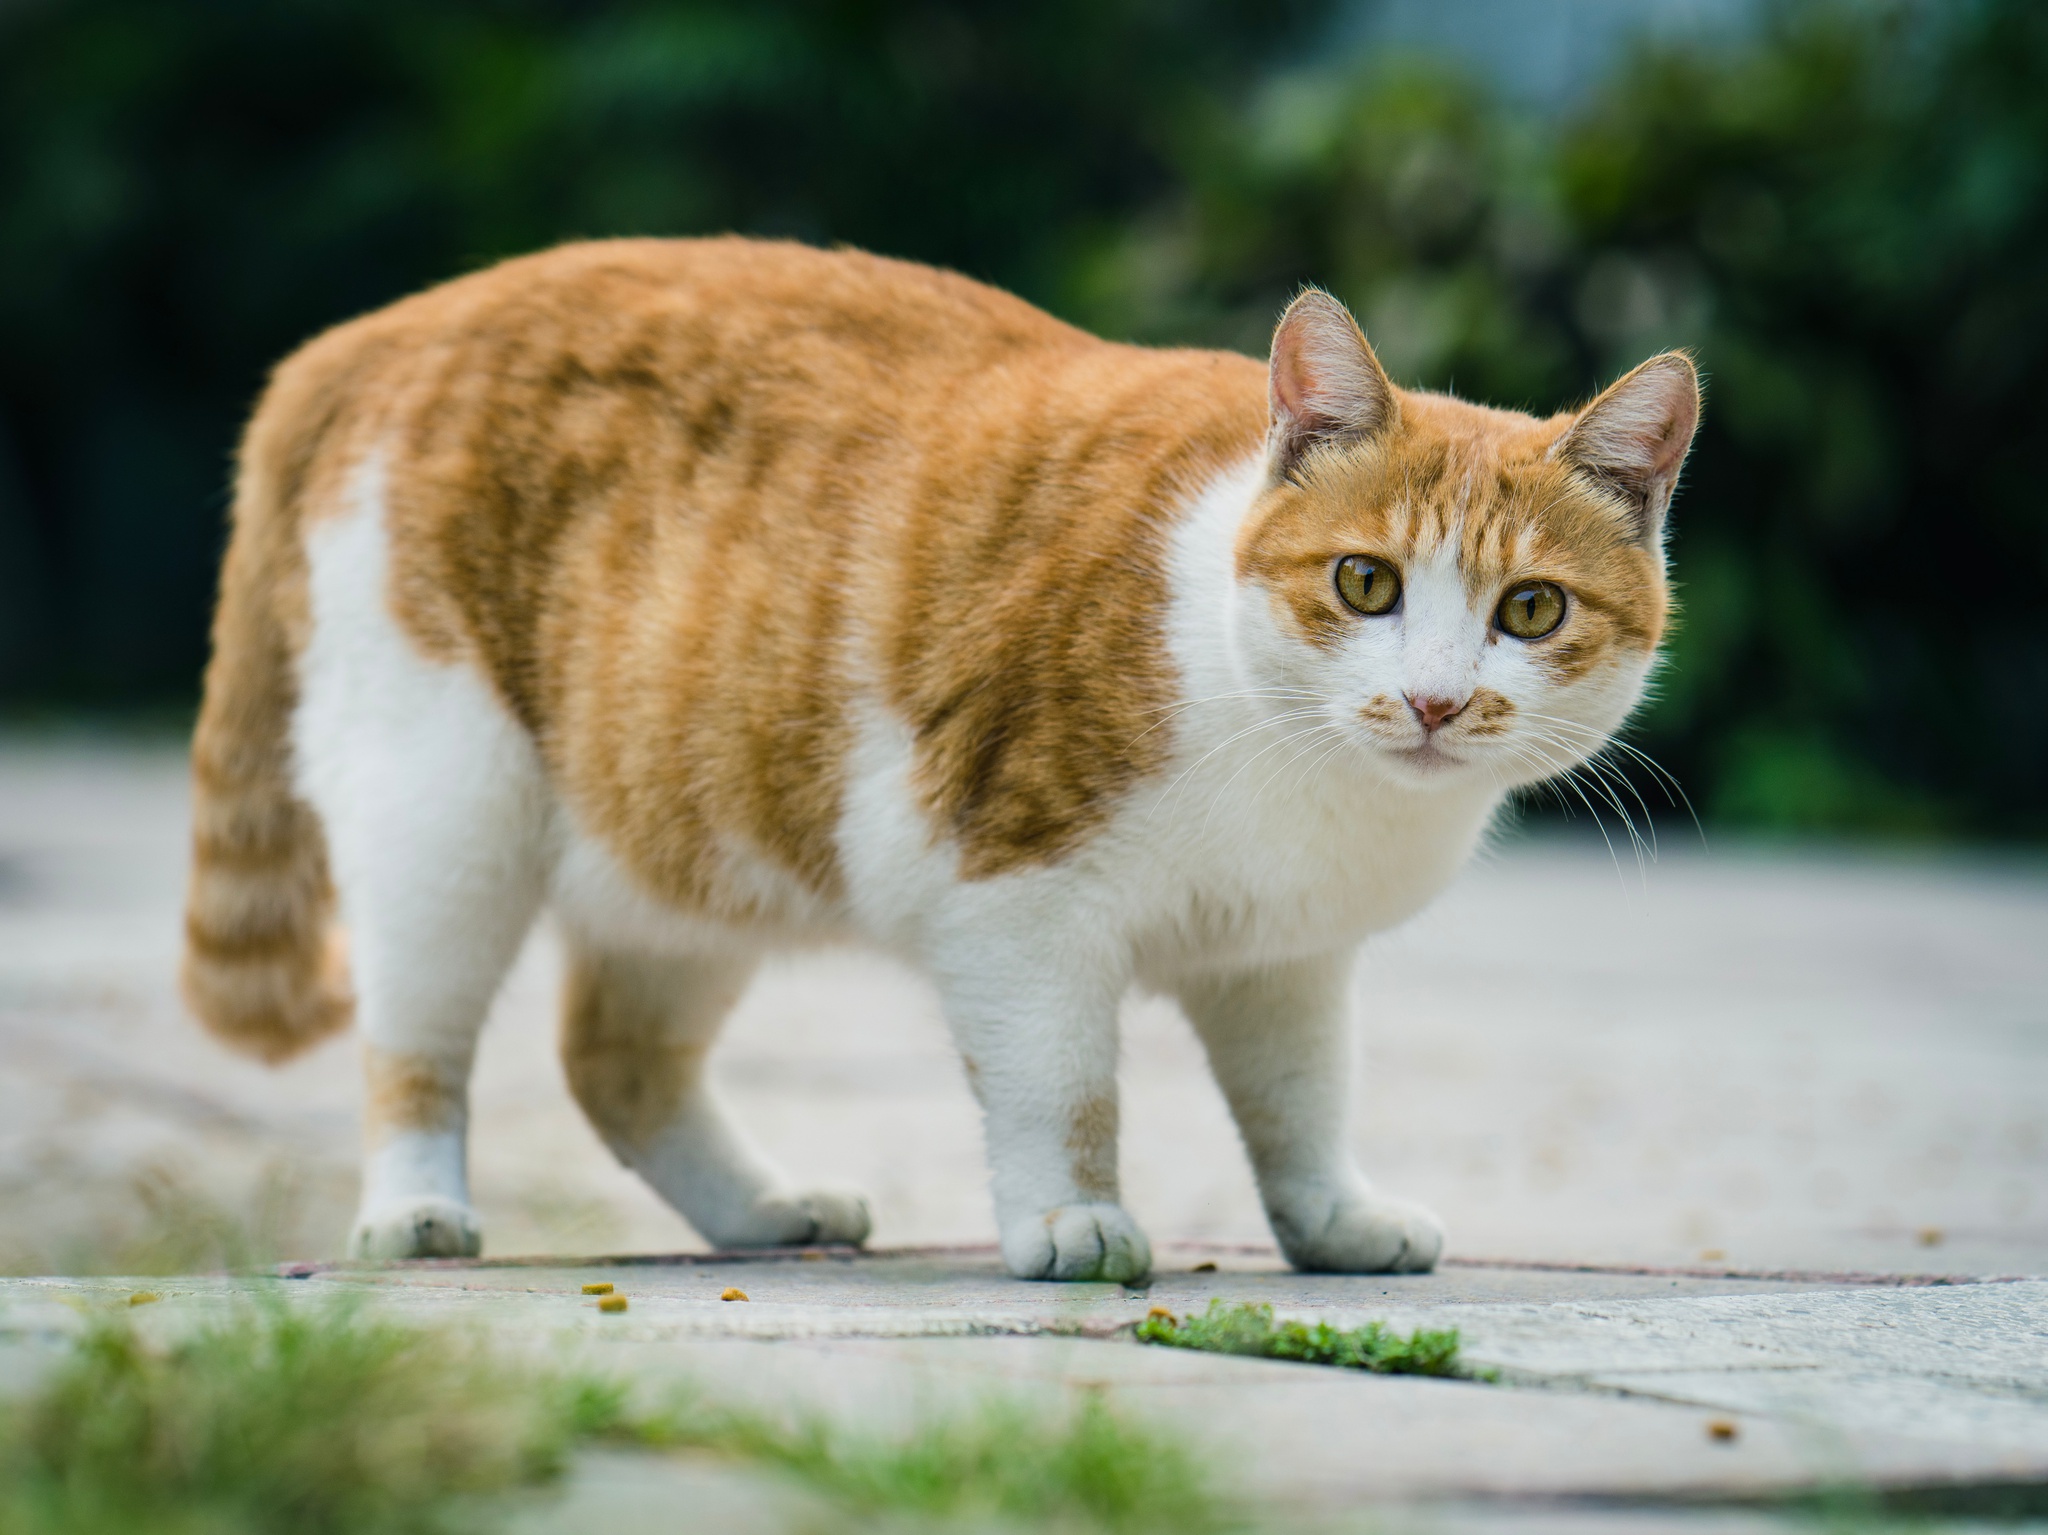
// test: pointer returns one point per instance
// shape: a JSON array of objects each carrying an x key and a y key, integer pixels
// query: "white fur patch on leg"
[
  {"x": 1033, "y": 1007},
  {"x": 1279, "y": 1042},
  {"x": 415, "y": 1201},
  {"x": 434, "y": 807}
]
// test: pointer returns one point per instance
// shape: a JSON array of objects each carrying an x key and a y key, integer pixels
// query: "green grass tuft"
[
  {"x": 313, "y": 1421},
  {"x": 1252, "y": 1330},
  {"x": 1087, "y": 1470}
]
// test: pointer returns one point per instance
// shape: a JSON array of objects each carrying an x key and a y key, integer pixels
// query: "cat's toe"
[
  {"x": 420, "y": 1228},
  {"x": 813, "y": 1217},
  {"x": 1094, "y": 1241},
  {"x": 1360, "y": 1233},
  {"x": 836, "y": 1215}
]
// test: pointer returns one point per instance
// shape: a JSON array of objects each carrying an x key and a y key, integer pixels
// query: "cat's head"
[{"x": 1467, "y": 593}]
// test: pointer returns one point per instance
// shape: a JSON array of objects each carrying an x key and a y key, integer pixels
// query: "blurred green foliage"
[
  {"x": 190, "y": 188},
  {"x": 1845, "y": 216}
]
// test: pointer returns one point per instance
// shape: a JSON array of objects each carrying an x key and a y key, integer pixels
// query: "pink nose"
[{"x": 1434, "y": 711}]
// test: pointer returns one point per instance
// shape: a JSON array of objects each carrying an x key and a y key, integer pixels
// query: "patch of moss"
[{"x": 1253, "y": 1331}]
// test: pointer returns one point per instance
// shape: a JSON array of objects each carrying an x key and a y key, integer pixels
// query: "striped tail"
[{"x": 265, "y": 967}]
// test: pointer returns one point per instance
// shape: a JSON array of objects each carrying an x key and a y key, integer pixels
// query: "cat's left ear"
[
  {"x": 1324, "y": 383},
  {"x": 1633, "y": 439}
]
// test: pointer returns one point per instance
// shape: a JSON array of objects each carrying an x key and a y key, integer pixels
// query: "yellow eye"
[
  {"x": 1367, "y": 583},
  {"x": 1532, "y": 609}
]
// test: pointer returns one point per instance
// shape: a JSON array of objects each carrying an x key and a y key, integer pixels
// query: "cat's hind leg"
[
  {"x": 1279, "y": 1043},
  {"x": 636, "y": 1031},
  {"x": 439, "y": 883},
  {"x": 434, "y": 806}
]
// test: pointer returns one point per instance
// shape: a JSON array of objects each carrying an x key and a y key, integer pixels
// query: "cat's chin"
[{"x": 1425, "y": 766}]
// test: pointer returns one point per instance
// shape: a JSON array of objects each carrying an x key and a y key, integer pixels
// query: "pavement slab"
[{"x": 1606, "y": 1399}]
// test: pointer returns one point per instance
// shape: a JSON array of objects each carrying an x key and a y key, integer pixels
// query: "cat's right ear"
[
  {"x": 1633, "y": 439},
  {"x": 1324, "y": 384}
]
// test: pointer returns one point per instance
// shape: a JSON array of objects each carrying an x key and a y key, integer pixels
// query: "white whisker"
[
  {"x": 1251, "y": 729},
  {"x": 1224, "y": 788},
  {"x": 1317, "y": 765},
  {"x": 1172, "y": 712},
  {"x": 1606, "y": 790},
  {"x": 1313, "y": 733},
  {"x": 1674, "y": 791}
]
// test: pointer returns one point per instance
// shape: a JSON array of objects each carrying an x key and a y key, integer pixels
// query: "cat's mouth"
[{"x": 1429, "y": 756}]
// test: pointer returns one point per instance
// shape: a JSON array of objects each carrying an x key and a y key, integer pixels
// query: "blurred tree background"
[{"x": 1843, "y": 211}]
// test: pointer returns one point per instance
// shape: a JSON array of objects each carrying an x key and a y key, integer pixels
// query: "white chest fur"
[{"x": 1272, "y": 835}]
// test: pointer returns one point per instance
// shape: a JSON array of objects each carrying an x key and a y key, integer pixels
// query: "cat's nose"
[{"x": 1433, "y": 711}]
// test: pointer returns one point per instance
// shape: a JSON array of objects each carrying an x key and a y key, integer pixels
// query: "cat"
[{"x": 724, "y": 596}]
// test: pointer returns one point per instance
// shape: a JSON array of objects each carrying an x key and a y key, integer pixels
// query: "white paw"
[
  {"x": 816, "y": 1217},
  {"x": 419, "y": 1228},
  {"x": 1077, "y": 1242},
  {"x": 1358, "y": 1233}
]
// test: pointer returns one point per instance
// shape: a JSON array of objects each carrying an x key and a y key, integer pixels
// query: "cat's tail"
[{"x": 265, "y": 966}]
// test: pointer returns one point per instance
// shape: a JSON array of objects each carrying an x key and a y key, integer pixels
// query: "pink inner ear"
[
  {"x": 1678, "y": 412},
  {"x": 1301, "y": 390},
  {"x": 1678, "y": 430},
  {"x": 1644, "y": 428},
  {"x": 1324, "y": 378},
  {"x": 1290, "y": 391}
]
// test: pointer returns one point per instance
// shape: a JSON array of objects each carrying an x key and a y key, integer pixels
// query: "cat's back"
[
  {"x": 705, "y": 371},
  {"x": 680, "y": 502},
  {"x": 689, "y": 316},
  {"x": 635, "y": 358}
]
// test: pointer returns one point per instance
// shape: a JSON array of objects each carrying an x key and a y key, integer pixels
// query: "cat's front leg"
[
  {"x": 1036, "y": 1026},
  {"x": 1279, "y": 1042}
]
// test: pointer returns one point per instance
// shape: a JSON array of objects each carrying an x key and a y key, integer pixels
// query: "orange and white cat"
[{"x": 725, "y": 596}]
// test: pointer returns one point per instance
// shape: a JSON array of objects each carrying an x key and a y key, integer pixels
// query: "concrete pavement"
[{"x": 1654, "y": 1393}]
